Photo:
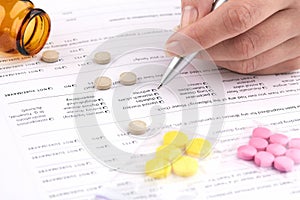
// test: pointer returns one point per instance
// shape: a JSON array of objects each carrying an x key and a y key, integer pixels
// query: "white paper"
[{"x": 39, "y": 106}]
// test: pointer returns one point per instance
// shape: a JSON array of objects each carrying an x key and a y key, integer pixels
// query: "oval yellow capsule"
[
  {"x": 158, "y": 168},
  {"x": 175, "y": 138},
  {"x": 168, "y": 152},
  {"x": 185, "y": 166},
  {"x": 198, "y": 147}
]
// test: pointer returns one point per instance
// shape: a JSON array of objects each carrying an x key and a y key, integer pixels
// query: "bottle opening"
[{"x": 34, "y": 32}]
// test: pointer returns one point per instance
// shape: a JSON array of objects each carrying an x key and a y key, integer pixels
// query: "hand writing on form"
[{"x": 245, "y": 36}]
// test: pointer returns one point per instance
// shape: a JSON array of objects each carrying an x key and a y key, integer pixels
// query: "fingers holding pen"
[
  {"x": 229, "y": 20},
  {"x": 260, "y": 49},
  {"x": 285, "y": 52},
  {"x": 287, "y": 66},
  {"x": 259, "y": 39}
]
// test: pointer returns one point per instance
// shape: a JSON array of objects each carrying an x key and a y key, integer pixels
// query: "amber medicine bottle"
[{"x": 24, "y": 29}]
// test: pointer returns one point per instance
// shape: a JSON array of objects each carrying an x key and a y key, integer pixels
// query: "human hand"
[{"x": 245, "y": 36}]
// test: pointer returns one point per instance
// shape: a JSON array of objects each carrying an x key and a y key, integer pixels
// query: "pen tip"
[{"x": 159, "y": 86}]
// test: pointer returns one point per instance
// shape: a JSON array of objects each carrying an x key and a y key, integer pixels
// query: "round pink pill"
[
  {"x": 264, "y": 159},
  {"x": 279, "y": 139},
  {"x": 261, "y": 132},
  {"x": 294, "y": 154},
  {"x": 246, "y": 152},
  {"x": 258, "y": 143},
  {"x": 276, "y": 149},
  {"x": 294, "y": 143},
  {"x": 283, "y": 164}
]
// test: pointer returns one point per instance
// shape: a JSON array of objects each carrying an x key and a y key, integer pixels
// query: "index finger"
[{"x": 229, "y": 20}]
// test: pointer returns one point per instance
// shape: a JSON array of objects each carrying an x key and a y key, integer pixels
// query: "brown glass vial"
[{"x": 23, "y": 28}]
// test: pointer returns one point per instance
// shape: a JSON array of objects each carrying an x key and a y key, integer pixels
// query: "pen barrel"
[
  {"x": 179, "y": 63},
  {"x": 176, "y": 66},
  {"x": 217, "y": 4}
]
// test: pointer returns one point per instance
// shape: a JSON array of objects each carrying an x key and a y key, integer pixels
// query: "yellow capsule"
[
  {"x": 185, "y": 166},
  {"x": 198, "y": 147},
  {"x": 168, "y": 152},
  {"x": 175, "y": 138},
  {"x": 158, "y": 168}
]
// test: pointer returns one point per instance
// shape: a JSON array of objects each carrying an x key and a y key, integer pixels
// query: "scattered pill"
[
  {"x": 50, "y": 56},
  {"x": 294, "y": 154},
  {"x": 175, "y": 138},
  {"x": 246, "y": 152},
  {"x": 258, "y": 143},
  {"x": 294, "y": 143},
  {"x": 158, "y": 168},
  {"x": 185, "y": 166},
  {"x": 102, "y": 57},
  {"x": 283, "y": 164},
  {"x": 261, "y": 132},
  {"x": 103, "y": 83},
  {"x": 279, "y": 139},
  {"x": 168, "y": 152},
  {"x": 198, "y": 147},
  {"x": 276, "y": 149},
  {"x": 128, "y": 78},
  {"x": 264, "y": 159},
  {"x": 137, "y": 127}
]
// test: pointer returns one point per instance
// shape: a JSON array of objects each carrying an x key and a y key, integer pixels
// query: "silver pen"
[{"x": 179, "y": 63}]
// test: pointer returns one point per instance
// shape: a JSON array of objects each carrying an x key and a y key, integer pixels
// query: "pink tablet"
[
  {"x": 294, "y": 154},
  {"x": 258, "y": 143},
  {"x": 283, "y": 164},
  {"x": 264, "y": 159},
  {"x": 246, "y": 152},
  {"x": 294, "y": 143},
  {"x": 276, "y": 149},
  {"x": 279, "y": 139},
  {"x": 261, "y": 132}
]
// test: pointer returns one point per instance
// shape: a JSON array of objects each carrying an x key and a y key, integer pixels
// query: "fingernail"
[
  {"x": 189, "y": 16},
  {"x": 174, "y": 48},
  {"x": 176, "y": 28}
]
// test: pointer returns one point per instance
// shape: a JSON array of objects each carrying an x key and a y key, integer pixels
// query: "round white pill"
[
  {"x": 127, "y": 78},
  {"x": 50, "y": 56},
  {"x": 103, "y": 83},
  {"x": 137, "y": 127},
  {"x": 102, "y": 57}
]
